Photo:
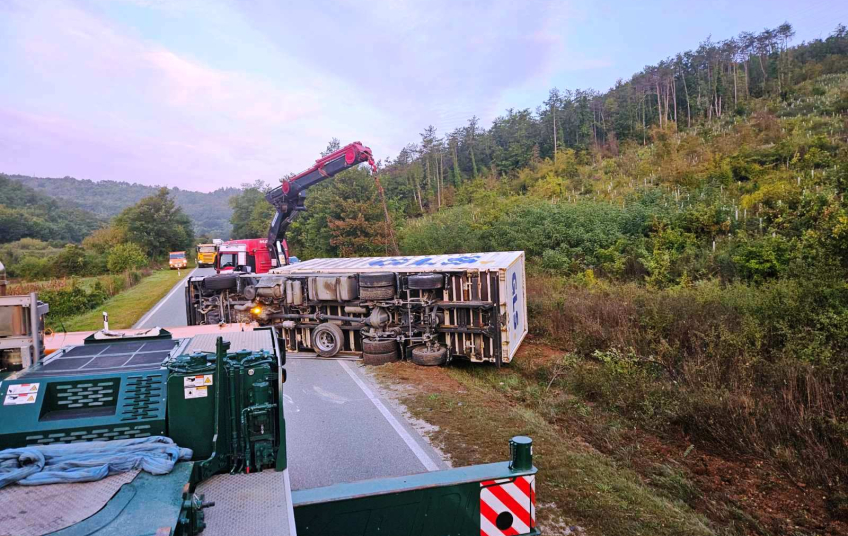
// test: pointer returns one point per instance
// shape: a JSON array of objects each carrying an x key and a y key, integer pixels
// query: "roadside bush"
[
  {"x": 74, "y": 299},
  {"x": 453, "y": 230},
  {"x": 70, "y": 261},
  {"x": 752, "y": 369},
  {"x": 125, "y": 257},
  {"x": 31, "y": 268}
]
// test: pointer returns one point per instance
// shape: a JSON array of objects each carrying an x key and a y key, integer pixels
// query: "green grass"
[
  {"x": 127, "y": 307},
  {"x": 475, "y": 412}
]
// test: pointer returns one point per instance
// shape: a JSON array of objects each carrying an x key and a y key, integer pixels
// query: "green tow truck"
[{"x": 220, "y": 395}]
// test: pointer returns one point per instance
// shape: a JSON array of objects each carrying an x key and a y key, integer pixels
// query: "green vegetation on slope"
[
  {"x": 210, "y": 212},
  {"x": 27, "y": 213},
  {"x": 127, "y": 307},
  {"x": 687, "y": 245}
]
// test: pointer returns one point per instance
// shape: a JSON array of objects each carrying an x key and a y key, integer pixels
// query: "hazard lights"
[{"x": 508, "y": 506}]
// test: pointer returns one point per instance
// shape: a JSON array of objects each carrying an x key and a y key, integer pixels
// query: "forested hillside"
[
  {"x": 687, "y": 243},
  {"x": 210, "y": 212},
  {"x": 27, "y": 213}
]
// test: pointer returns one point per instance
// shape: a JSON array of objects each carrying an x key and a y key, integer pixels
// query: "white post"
[{"x": 105, "y": 320}]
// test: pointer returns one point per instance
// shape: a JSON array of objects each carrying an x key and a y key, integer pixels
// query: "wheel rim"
[{"x": 325, "y": 341}]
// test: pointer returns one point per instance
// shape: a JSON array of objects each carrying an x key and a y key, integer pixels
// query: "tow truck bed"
[{"x": 258, "y": 503}]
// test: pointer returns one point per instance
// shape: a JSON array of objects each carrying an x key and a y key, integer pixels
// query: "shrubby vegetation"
[
  {"x": 26, "y": 213},
  {"x": 142, "y": 233},
  {"x": 686, "y": 235},
  {"x": 209, "y": 212}
]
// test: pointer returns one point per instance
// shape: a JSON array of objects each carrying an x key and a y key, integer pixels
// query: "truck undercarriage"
[{"x": 428, "y": 313}]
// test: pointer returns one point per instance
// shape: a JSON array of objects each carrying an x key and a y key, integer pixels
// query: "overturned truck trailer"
[{"x": 430, "y": 309}]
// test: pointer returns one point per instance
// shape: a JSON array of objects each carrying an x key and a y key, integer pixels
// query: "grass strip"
[
  {"x": 577, "y": 485},
  {"x": 127, "y": 307}
]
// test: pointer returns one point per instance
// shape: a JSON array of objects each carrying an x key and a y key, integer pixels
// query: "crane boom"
[{"x": 288, "y": 198}]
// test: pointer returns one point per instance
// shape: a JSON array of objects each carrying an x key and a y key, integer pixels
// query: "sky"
[{"x": 204, "y": 94}]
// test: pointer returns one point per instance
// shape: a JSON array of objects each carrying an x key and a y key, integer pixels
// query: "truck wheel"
[
  {"x": 380, "y": 359},
  {"x": 377, "y": 293},
  {"x": 220, "y": 282},
  {"x": 378, "y": 347},
  {"x": 426, "y": 281},
  {"x": 382, "y": 279},
  {"x": 327, "y": 339},
  {"x": 421, "y": 355}
]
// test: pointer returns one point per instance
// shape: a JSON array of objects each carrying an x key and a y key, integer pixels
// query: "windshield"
[
  {"x": 179, "y": 255},
  {"x": 228, "y": 260},
  {"x": 207, "y": 249}
]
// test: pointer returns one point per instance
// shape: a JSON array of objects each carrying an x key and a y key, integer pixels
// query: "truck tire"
[
  {"x": 376, "y": 293},
  {"x": 220, "y": 282},
  {"x": 380, "y": 359},
  {"x": 421, "y": 355},
  {"x": 426, "y": 281},
  {"x": 381, "y": 279},
  {"x": 378, "y": 347},
  {"x": 327, "y": 339}
]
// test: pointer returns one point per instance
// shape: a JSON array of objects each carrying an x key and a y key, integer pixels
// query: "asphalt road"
[
  {"x": 338, "y": 427},
  {"x": 170, "y": 311}
]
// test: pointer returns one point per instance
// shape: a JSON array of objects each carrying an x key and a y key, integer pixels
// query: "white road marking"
[
  {"x": 416, "y": 449},
  {"x": 287, "y": 484},
  {"x": 162, "y": 302}
]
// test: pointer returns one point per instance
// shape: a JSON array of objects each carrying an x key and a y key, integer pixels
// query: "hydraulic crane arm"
[{"x": 288, "y": 198}]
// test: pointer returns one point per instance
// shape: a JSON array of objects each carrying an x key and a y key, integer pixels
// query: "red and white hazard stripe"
[{"x": 508, "y": 506}]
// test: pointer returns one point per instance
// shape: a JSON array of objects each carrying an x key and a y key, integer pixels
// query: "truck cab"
[
  {"x": 206, "y": 254},
  {"x": 250, "y": 255},
  {"x": 177, "y": 260}
]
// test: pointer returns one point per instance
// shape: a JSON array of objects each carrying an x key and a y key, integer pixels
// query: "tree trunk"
[
  {"x": 659, "y": 105},
  {"x": 674, "y": 97},
  {"x": 553, "y": 113},
  {"x": 457, "y": 174},
  {"x": 686, "y": 90},
  {"x": 439, "y": 182},
  {"x": 735, "y": 103}
]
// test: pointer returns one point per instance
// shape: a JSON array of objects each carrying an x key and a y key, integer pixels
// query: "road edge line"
[
  {"x": 416, "y": 449},
  {"x": 162, "y": 302}
]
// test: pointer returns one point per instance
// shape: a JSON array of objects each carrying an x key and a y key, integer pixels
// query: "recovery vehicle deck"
[{"x": 219, "y": 393}]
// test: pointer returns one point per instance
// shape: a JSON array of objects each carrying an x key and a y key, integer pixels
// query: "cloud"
[
  {"x": 440, "y": 61},
  {"x": 255, "y": 89},
  {"x": 110, "y": 95}
]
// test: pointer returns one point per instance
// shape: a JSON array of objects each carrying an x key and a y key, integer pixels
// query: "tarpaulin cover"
[{"x": 86, "y": 462}]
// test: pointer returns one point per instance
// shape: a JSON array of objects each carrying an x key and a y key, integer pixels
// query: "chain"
[{"x": 389, "y": 227}]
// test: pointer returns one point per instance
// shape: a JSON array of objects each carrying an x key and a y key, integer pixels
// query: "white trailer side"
[{"x": 473, "y": 278}]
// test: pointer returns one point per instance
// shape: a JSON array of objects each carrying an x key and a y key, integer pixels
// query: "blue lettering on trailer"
[
  {"x": 389, "y": 261},
  {"x": 514, "y": 300},
  {"x": 464, "y": 259},
  {"x": 424, "y": 261}
]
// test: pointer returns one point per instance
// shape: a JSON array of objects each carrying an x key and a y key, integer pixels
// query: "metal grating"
[
  {"x": 92, "y": 358},
  {"x": 239, "y": 340},
  {"x": 36, "y": 510},
  {"x": 144, "y": 398},
  {"x": 258, "y": 503},
  {"x": 97, "y": 433}
]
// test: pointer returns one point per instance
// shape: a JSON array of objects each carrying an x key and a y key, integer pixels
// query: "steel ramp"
[{"x": 249, "y": 504}]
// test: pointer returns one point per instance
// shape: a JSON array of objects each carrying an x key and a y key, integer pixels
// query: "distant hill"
[
  {"x": 28, "y": 213},
  {"x": 210, "y": 212}
]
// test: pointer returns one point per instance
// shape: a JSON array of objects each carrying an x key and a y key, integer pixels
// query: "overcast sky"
[{"x": 203, "y": 94}]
